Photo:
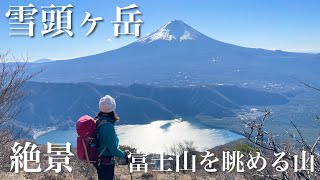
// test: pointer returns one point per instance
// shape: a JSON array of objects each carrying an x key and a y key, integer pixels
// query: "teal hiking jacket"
[{"x": 108, "y": 137}]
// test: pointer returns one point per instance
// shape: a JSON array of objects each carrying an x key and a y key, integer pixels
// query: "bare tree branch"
[{"x": 14, "y": 73}]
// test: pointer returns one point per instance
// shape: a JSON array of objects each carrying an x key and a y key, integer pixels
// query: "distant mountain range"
[
  {"x": 42, "y": 61},
  {"x": 53, "y": 104},
  {"x": 177, "y": 54}
]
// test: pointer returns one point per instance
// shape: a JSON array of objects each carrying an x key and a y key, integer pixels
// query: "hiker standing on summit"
[{"x": 108, "y": 139}]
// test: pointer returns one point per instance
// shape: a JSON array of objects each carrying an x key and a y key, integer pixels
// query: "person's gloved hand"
[{"x": 127, "y": 156}]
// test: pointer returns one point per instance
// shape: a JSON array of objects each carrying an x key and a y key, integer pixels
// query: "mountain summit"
[{"x": 175, "y": 30}]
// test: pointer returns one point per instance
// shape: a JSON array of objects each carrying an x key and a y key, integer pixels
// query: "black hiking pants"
[{"x": 105, "y": 172}]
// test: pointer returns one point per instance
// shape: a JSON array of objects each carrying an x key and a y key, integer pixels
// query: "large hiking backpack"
[{"x": 87, "y": 141}]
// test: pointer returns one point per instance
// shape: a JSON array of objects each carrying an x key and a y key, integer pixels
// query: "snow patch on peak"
[{"x": 173, "y": 31}]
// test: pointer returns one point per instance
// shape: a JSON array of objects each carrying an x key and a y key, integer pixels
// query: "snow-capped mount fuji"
[
  {"x": 178, "y": 38},
  {"x": 175, "y": 30},
  {"x": 181, "y": 35},
  {"x": 177, "y": 54}
]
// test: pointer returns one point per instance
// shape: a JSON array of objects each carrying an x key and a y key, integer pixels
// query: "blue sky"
[{"x": 291, "y": 25}]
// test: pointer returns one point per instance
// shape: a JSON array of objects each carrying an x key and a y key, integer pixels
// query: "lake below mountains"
[{"x": 156, "y": 136}]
